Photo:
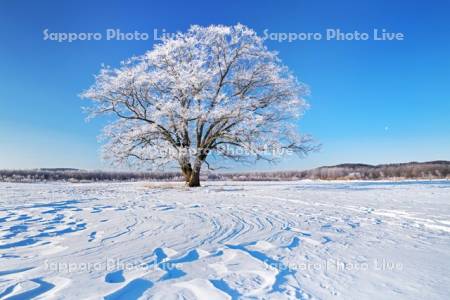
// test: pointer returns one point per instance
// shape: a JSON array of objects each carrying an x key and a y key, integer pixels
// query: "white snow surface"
[{"x": 225, "y": 240}]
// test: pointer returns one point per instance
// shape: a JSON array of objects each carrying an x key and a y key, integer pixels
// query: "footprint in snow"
[
  {"x": 133, "y": 290},
  {"x": 115, "y": 277}
]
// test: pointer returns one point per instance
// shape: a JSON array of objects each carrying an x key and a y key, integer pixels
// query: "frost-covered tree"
[{"x": 211, "y": 92}]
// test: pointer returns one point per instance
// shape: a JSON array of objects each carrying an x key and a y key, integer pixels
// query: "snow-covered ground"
[{"x": 226, "y": 240}]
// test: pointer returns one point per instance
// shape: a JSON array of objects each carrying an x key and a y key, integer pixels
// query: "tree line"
[{"x": 412, "y": 170}]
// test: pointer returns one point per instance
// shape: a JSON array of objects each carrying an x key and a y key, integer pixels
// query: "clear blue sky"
[{"x": 371, "y": 102}]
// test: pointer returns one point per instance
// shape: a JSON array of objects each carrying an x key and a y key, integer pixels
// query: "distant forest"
[{"x": 412, "y": 170}]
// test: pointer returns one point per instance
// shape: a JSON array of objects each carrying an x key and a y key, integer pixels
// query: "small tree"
[{"x": 211, "y": 92}]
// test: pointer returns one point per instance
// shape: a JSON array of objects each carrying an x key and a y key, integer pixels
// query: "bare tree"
[{"x": 211, "y": 92}]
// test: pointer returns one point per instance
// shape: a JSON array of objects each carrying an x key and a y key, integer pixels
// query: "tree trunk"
[
  {"x": 192, "y": 173},
  {"x": 194, "y": 181},
  {"x": 187, "y": 172}
]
